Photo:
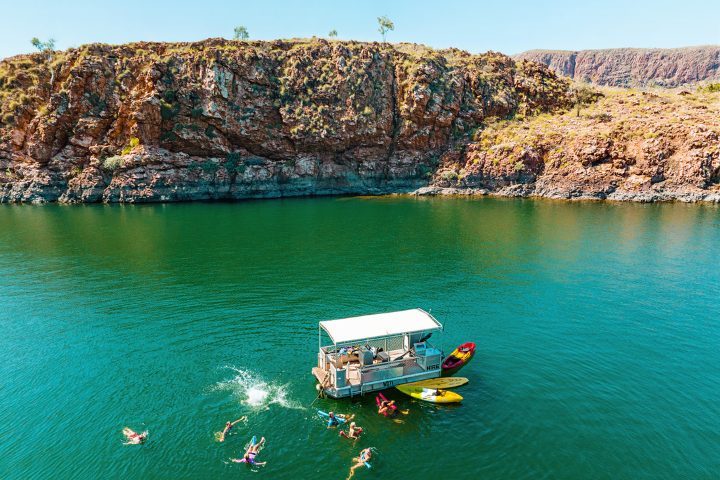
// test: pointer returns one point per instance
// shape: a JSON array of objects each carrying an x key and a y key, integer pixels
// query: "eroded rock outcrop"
[
  {"x": 627, "y": 146},
  {"x": 221, "y": 119},
  {"x": 633, "y": 67},
  {"x": 228, "y": 120}
]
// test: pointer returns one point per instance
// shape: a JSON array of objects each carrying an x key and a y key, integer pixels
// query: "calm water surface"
[{"x": 598, "y": 329}]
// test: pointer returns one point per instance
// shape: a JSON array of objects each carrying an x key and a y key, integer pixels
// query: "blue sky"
[{"x": 476, "y": 26}]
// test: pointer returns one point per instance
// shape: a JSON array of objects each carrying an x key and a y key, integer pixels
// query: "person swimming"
[
  {"x": 228, "y": 426},
  {"x": 361, "y": 461},
  {"x": 335, "y": 419},
  {"x": 134, "y": 438},
  {"x": 353, "y": 432},
  {"x": 389, "y": 409},
  {"x": 251, "y": 453}
]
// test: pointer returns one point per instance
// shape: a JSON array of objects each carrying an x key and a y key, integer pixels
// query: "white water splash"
[{"x": 254, "y": 391}]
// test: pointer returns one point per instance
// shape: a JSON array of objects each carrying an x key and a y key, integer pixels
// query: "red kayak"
[{"x": 458, "y": 359}]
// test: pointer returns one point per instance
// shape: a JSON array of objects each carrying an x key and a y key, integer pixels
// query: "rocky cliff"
[
  {"x": 637, "y": 146},
  {"x": 221, "y": 119},
  {"x": 633, "y": 67},
  {"x": 228, "y": 120}
]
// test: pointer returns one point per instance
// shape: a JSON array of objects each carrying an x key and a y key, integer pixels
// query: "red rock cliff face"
[
  {"x": 625, "y": 146},
  {"x": 631, "y": 67},
  {"x": 227, "y": 120}
]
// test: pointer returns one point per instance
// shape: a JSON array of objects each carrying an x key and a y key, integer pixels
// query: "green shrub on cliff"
[
  {"x": 583, "y": 95},
  {"x": 709, "y": 88},
  {"x": 168, "y": 111},
  {"x": 134, "y": 142},
  {"x": 209, "y": 167},
  {"x": 449, "y": 176},
  {"x": 113, "y": 163},
  {"x": 232, "y": 159}
]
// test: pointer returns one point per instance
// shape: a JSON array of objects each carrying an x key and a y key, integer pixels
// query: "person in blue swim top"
[
  {"x": 251, "y": 453},
  {"x": 336, "y": 419},
  {"x": 360, "y": 461}
]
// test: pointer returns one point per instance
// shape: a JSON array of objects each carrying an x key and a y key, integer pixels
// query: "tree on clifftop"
[
  {"x": 43, "y": 46},
  {"x": 385, "y": 25},
  {"x": 583, "y": 95},
  {"x": 333, "y": 33},
  {"x": 46, "y": 48},
  {"x": 241, "y": 33}
]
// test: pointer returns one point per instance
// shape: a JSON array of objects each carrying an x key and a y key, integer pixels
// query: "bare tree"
[{"x": 385, "y": 25}]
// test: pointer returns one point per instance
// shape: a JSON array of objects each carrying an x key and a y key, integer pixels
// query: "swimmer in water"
[
  {"x": 389, "y": 409},
  {"x": 228, "y": 427},
  {"x": 360, "y": 461},
  {"x": 134, "y": 438},
  {"x": 335, "y": 419},
  {"x": 251, "y": 453},
  {"x": 353, "y": 432},
  {"x": 386, "y": 407}
]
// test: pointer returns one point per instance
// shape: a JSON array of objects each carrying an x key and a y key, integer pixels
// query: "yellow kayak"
[
  {"x": 433, "y": 395},
  {"x": 442, "y": 382}
]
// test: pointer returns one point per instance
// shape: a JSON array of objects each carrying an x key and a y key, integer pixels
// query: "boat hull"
[{"x": 370, "y": 387}]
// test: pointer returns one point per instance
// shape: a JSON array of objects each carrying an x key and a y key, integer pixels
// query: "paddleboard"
[
  {"x": 430, "y": 394},
  {"x": 442, "y": 382}
]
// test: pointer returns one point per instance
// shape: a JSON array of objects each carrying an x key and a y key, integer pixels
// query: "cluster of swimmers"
[
  {"x": 387, "y": 408},
  {"x": 353, "y": 433},
  {"x": 134, "y": 438}
]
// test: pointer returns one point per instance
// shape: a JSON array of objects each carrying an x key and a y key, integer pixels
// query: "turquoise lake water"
[{"x": 597, "y": 324}]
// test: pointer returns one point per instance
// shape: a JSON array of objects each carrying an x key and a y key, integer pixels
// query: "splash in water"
[{"x": 254, "y": 391}]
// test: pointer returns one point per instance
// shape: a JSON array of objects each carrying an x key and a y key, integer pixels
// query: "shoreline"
[
  {"x": 511, "y": 191},
  {"x": 619, "y": 197}
]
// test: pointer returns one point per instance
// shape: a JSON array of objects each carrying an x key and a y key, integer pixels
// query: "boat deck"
[
  {"x": 369, "y": 353},
  {"x": 376, "y": 377}
]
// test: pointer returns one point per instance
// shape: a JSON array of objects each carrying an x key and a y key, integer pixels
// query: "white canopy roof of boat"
[{"x": 380, "y": 325}]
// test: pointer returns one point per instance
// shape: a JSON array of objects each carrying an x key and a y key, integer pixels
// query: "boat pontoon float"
[{"x": 375, "y": 352}]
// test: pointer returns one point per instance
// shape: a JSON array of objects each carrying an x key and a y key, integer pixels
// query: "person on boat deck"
[
  {"x": 352, "y": 433},
  {"x": 251, "y": 453},
  {"x": 335, "y": 419},
  {"x": 228, "y": 427},
  {"x": 134, "y": 438},
  {"x": 360, "y": 461}
]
